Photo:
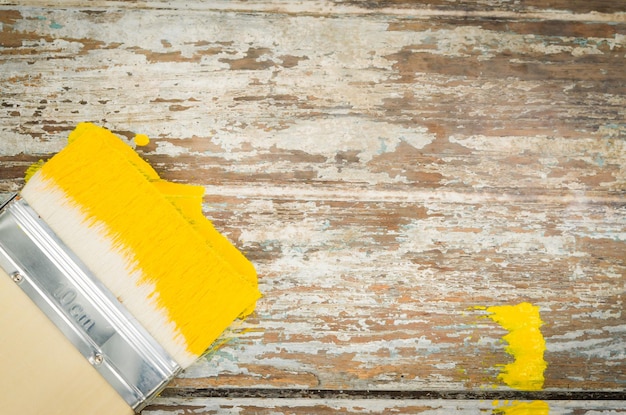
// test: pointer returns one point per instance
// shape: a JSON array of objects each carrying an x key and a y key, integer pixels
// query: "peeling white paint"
[
  {"x": 12, "y": 144},
  {"x": 360, "y": 263},
  {"x": 366, "y": 138}
]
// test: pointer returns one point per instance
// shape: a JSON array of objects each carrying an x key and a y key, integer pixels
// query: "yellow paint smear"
[
  {"x": 201, "y": 280},
  {"x": 525, "y": 343},
  {"x": 32, "y": 169},
  {"x": 522, "y": 408}
]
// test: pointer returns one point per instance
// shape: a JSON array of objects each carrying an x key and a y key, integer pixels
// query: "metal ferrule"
[{"x": 87, "y": 313}]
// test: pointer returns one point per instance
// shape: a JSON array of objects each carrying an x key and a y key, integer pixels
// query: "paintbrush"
[{"x": 111, "y": 282}]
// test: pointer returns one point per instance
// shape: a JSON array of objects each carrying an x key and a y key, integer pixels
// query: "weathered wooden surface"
[
  {"x": 370, "y": 406},
  {"x": 386, "y": 166}
]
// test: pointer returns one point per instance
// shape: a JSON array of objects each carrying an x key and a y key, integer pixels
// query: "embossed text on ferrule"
[{"x": 66, "y": 297}]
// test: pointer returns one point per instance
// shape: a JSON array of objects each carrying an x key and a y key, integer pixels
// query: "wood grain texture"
[
  {"x": 387, "y": 166},
  {"x": 367, "y": 406}
]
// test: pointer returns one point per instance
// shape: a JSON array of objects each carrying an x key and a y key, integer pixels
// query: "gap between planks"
[{"x": 295, "y": 393}]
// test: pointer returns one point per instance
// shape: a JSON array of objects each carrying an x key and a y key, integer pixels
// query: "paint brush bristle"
[{"x": 145, "y": 239}]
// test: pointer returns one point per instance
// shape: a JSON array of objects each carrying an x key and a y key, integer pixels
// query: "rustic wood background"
[{"x": 386, "y": 165}]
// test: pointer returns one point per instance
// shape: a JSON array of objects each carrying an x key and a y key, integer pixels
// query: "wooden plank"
[
  {"x": 375, "y": 406},
  {"x": 568, "y": 10},
  {"x": 387, "y": 167}
]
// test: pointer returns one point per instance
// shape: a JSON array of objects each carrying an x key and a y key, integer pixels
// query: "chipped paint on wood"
[
  {"x": 385, "y": 165},
  {"x": 372, "y": 406}
]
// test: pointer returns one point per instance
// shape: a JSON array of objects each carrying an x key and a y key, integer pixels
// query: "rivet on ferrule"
[
  {"x": 97, "y": 359},
  {"x": 17, "y": 277}
]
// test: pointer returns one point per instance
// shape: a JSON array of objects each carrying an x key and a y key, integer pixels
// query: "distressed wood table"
[{"x": 393, "y": 169}]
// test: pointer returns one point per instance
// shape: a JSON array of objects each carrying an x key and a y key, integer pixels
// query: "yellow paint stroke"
[
  {"x": 521, "y": 408},
  {"x": 525, "y": 343}
]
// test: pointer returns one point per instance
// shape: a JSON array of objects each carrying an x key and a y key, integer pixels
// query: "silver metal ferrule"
[{"x": 87, "y": 313}]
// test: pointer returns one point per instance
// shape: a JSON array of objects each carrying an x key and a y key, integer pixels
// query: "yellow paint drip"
[
  {"x": 201, "y": 281},
  {"x": 141, "y": 140},
  {"x": 522, "y": 408},
  {"x": 525, "y": 343}
]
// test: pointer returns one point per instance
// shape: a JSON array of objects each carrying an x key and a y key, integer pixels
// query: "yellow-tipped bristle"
[
  {"x": 188, "y": 199},
  {"x": 146, "y": 239}
]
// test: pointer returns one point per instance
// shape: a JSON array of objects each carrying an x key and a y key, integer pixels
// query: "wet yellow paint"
[
  {"x": 524, "y": 342},
  {"x": 201, "y": 281},
  {"x": 32, "y": 169},
  {"x": 141, "y": 140},
  {"x": 521, "y": 408}
]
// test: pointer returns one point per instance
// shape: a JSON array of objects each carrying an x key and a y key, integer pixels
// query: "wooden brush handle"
[{"x": 42, "y": 371}]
